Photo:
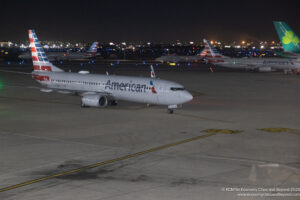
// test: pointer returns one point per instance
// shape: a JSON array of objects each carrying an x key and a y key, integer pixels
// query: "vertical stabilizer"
[
  {"x": 289, "y": 40},
  {"x": 39, "y": 58},
  {"x": 212, "y": 54}
]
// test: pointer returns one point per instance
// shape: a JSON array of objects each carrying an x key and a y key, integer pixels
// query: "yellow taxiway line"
[{"x": 104, "y": 162}]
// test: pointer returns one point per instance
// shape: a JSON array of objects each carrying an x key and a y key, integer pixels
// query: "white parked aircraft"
[
  {"x": 177, "y": 59},
  {"x": 56, "y": 56},
  {"x": 104, "y": 90},
  {"x": 258, "y": 64}
]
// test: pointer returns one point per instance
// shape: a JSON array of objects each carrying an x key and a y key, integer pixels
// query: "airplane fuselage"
[
  {"x": 176, "y": 59},
  {"x": 128, "y": 88},
  {"x": 55, "y": 56},
  {"x": 273, "y": 63}
]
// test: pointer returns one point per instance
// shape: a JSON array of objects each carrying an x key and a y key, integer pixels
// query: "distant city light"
[
  {"x": 111, "y": 44},
  {"x": 124, "y": 43},
  {"x": 191, "y": 42},
  {"x": 262, "y": 46},
  {"x": 243, "y": 42},
  {"x": 212, "y": 42}
]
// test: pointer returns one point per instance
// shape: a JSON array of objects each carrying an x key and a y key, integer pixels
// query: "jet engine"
[
  {"x": 264, "y": 69},
  {"x": 94, "y": 100}
]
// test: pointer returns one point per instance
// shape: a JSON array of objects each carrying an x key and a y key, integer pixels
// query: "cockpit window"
[{"x": 177, "y": 88}]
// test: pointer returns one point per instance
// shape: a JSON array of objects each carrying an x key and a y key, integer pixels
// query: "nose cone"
[{"x": 187, "y": 96}]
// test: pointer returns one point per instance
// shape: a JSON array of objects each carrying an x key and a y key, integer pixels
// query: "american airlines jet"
[
  {"x": 56, "y": 56},
  {"x": 103, "y": 90},
  {"x": 259, "y": 64}
]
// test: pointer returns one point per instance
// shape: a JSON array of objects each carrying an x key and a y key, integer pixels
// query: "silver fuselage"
[
  {"x": 176, "y": 59},
  {"x": 56, "y": 56},
  {"x": 253, "y": 63},
  {"x": 127, "y": 88}
]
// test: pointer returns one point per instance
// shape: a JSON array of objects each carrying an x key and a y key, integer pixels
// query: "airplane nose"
[{"x": 187, "y": 96}]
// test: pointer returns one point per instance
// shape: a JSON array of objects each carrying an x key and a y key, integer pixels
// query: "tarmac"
[{"x": 215, "y": 147}]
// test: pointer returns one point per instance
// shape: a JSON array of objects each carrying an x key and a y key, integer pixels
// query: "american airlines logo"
[{"x": 133, "y": 87}]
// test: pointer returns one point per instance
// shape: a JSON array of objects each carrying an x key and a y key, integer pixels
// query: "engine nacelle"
[
  {"x": 94, "y": 100},
  {"x": 265, "y": 69}
]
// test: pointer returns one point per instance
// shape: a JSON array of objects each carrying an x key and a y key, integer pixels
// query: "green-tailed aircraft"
[{"x": 289, "y": 40}]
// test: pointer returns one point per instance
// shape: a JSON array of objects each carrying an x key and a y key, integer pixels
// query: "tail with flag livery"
[
  {"x": 39, "y": 58},
  {"x": 93, "y": 48},
  {"x": 212, "y": 55}
]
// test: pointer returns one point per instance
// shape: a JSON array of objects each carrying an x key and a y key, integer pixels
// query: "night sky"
[{"x": 145, "y": 20}]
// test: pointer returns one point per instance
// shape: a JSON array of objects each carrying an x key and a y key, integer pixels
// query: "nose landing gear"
[
  {"x": 171, "y": 108},
  {"x": 170, "y": 111}
]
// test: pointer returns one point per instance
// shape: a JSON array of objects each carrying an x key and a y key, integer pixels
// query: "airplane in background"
[
  {"x": 178, "y": 59},
  {"x": 57, "y": 56},
  {"x": 253, "y": 64},
  {"x": 289, "y": 40},
  {"x": 103, "y": 90}
]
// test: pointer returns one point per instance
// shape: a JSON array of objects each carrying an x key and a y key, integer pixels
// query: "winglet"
[{"x": 152, "y": 72}]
